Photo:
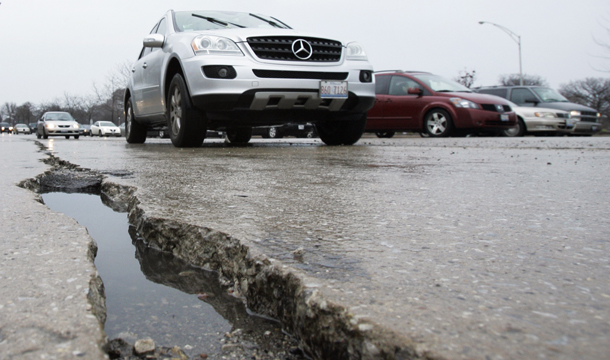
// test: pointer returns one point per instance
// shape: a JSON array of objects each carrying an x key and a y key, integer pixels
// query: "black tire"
[
  {"x": 67, "y": 136},
  {"x": 76, "y": 137},
  {"x": 44, "y": 134},
  {"x": 517, "y": 131},
  {"x": 135, "y": 133},
  {"x": 274, "y": 132},
  {"x": 342, "y": 132},
  {"x": 38, "y": 135},
  {"x": 438, "y": 123},
  {"x": 186, "y": 125},
  {"x": 385, "y": 134},
  {"x": 239, "y": 136}
]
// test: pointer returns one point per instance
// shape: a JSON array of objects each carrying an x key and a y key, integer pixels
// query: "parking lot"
[{"x": 462, "y": 248}]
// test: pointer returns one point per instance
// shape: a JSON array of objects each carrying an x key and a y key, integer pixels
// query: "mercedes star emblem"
[{"x": 302, "y": 49}]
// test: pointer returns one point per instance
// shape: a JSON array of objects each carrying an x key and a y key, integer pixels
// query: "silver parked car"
[
  {"x": 230, "y": 71},
  {"x": 540, "y": 121},
  {"x": 57, "y": 123}
]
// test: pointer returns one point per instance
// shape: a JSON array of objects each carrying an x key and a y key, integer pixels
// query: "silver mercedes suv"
[{"x": 230, "y": 71}]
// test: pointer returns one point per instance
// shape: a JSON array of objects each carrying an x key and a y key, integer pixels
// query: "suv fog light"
[
  {"x": 366, "y": 76},
  {"x": 219, "y": 72}
]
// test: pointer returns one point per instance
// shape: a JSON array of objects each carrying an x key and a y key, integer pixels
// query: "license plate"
[
  {"x": 569, "y": 123},
  {"x": 504, "y": 117},
  {"x": 301, "y": 127},
  {"x": 333, "y": 89}
]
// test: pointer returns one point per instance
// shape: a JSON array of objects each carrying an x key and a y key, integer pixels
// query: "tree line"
[{"x": 104, "y": 103}]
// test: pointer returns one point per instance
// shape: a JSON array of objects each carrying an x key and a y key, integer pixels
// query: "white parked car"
[
  {"x": 540, "y": 121},
  {"x": 230, "y": 71},
  {"x": 105, "y": 128}
]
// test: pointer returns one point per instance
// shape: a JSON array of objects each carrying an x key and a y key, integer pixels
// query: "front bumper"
[
  {"x": 585, "y": 128},
  {"x": 484, "y": 119},
  {"x": 59, "y": 132},
  {"x": 285, "y": 89}
]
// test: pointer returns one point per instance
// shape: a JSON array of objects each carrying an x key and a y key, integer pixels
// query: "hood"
[
  {"x": 478, "y": 98},
  {"x": 240, "y": 35},
  {"x": 565, "y": 106}
]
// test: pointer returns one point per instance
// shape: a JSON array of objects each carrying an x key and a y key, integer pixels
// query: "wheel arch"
[
  {"x": 436, "y": 106},
  {"x": 173, "y": 67}
]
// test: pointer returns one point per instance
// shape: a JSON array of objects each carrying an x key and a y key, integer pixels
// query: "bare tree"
[
  {"x": 514, "y": 79},
  {"x": 8, "y": 111},
  {"x": 24, "y": 114},
  {"x": 466, "y": 78},
  {"x": 592, "y": 92},
  {"x": 110, "y": 96}
]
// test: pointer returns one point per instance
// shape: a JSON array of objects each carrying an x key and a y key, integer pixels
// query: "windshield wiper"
[
  {"x": 216, "y": 21},
  {"x": 272, "y": 23}
]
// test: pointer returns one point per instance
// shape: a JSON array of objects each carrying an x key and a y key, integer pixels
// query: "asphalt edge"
[{"x": 326, "y": 330}]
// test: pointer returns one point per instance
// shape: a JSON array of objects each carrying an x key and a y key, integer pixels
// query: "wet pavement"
[{"x": 473, "y": 248}]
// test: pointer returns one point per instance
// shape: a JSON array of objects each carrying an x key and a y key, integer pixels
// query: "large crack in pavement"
[{"x": 325, "y": 330}]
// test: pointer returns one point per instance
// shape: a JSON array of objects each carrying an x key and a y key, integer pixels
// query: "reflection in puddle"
[{"x": 153, "y": 294}]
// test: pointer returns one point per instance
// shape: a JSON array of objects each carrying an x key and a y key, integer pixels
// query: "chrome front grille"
[{"x": 280, "y": 48}]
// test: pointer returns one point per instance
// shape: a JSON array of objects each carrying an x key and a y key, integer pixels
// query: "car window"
[
  {"x": 106, "y": 123},
  {"x": 400, "y": 85},
  {"x": 185, "y": 21},
  {"x": 59, "y": 117},
  {"x": 162, "y": 28},
  {"x": 155, "y": 30},
  {"x": 382, "y": 83},
  {"x": 549, "y": 95},
  {"x": 520, "y": 95},
  {"x": 497, "y": 92}
]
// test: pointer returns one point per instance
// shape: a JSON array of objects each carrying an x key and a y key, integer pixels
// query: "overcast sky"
[{"x": 49, "y": 48}]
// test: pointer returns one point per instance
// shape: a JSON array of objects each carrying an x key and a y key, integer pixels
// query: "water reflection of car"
[
  {"x": 57, "y": 123},
  {"x": 105, "y": 128},
  {"x": 434, "y": 106},
  {"x": 21, "y": 129},
  {"x": 6, "y": 127},
  {"x": 279, "y": 131},
  {"x": 540, "y": 121}
]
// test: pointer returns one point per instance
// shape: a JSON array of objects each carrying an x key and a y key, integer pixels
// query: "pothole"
[
  {"x": 197, "y": 254},
  {"x": 151, "y": 294}
]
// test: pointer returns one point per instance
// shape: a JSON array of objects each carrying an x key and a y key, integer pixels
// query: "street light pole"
[{"x": 516, "y": 38}]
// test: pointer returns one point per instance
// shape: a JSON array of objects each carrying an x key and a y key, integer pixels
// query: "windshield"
[
  {"x": 549, "y": 95},
  {"x": 106, "y": 123},
  {"x": 60, "y": 116},
  {"x": 211, "y": 20},
  {"x": 440, "y": 84}
]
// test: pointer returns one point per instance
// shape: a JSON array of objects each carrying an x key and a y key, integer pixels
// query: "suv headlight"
[
  {"x": 215, "y": 45},
  {"x": 76, "y": 126},
  {"x": 575, "y": 113},
  {"x": 545, "y": 114},
  {"x": 50, "y": 126},
  {"x": 355, "y": 51},
  {"x": 463, "y": 103}
]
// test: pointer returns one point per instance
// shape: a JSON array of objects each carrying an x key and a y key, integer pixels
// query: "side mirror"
[
  {"x": 154, "y": 41},
  {"x": 415, "y": 91}
]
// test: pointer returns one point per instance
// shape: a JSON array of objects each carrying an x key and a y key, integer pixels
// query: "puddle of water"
[{"x": 153, "y": 294}]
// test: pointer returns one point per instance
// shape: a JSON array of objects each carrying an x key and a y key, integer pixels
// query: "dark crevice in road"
[{"x": 325, "y": 330}]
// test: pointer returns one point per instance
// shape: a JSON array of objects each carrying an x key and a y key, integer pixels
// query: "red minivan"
[{"x": 433, "y": 106}]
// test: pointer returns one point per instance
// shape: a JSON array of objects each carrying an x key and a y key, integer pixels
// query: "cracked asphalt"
[{"x": 470, "y": 248}]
